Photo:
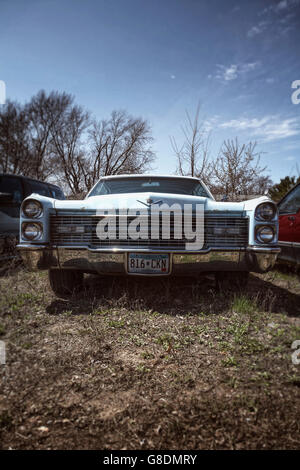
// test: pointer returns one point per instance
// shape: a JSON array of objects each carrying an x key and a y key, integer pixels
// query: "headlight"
[
  {"x": 265, "y": 211},
  {"x": 265, "y": 234},
  {"x": 32, "y": 209},
  {"x": 32, "y": 231}
]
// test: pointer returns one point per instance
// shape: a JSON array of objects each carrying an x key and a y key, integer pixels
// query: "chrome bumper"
[
  {"x": 254, "y": 259},
  {"x": 290, "y": 252}
]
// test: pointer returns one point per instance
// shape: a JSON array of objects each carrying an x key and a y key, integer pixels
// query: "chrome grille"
[{"x": 229, "y": 231}]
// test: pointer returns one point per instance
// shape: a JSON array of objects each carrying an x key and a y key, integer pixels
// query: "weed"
[
  {"x": 230, "y": 362},
  {"x": 116, "y": 323},
  {"x": 243, "y": 304}
]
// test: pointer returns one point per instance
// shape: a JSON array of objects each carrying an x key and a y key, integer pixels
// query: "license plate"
[{"x": 142, "y": 263}]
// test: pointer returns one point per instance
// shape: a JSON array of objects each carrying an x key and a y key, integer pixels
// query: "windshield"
[{"x": 156, "y": 185}]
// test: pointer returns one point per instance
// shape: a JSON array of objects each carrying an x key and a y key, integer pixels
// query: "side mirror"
[{"x": 6, "y": 197}]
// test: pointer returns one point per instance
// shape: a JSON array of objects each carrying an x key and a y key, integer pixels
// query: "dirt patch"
[{"x": 135, "y": 364}]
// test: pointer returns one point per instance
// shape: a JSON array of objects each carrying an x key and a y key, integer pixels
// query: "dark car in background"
[
  {"x": 13, "y": 189},
  {"x": 289, "y": 226}
]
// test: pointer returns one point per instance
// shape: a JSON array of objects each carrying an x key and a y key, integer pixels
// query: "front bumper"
[
  {"x": 290, "y": 252},
  {"x": 253, "y": 258}
]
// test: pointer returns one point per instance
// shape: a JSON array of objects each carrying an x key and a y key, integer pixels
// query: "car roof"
[
  {"x": 145, "y": 175},
  {"x": 30, "y": 179}
]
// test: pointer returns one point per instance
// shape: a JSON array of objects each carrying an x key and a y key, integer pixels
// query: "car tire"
[
  {"x": 65, "y": 281},
  {"x": 232, "y": 280}
]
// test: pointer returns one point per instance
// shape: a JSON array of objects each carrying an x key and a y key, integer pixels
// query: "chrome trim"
[
  {"x": 290, "y": 252},
  {"x": 274, "y": 218},
  {"x": 263, "y": 249},
  {"x": 90, "y": 240},
  {"x": 135, "y": 249},
  {"x": 289, "y": 243},
  {"x": 266, "y": 249},
  {"x": 261, "y": 226},
  {"x": 150, "y": 203},
  {"x": 255, "y": 259},
  {"x": 285, "y": 243},
  {"x": 25, "y": 216},
  {"x": 31, "y": 222}
]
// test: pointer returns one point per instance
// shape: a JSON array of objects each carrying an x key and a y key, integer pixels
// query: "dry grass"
[{"x": 155, "y": 364}]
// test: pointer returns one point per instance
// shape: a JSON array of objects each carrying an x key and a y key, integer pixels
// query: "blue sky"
[{"x": 158, "y": 58}]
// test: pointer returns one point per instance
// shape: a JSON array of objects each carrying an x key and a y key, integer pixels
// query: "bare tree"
[
  {"x": 193, "y": 156},
  {"x": 51, "y": 137},
  {"x": 45, "y": 115},
  {"x": 14, "y": 141},
  {"x": 67, "y": 147},
  {"x": 120, "y": 144},
  {"x": 261, "y": 184},
  {"x": 26, "y": 134},
  {"x": 236, "y": 169}
]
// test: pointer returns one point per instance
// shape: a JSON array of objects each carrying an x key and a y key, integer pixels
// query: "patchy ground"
[{"x": 155, "y": 364}]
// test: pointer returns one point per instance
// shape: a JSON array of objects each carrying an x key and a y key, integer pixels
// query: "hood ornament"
[{"x": 149, "y": 202}]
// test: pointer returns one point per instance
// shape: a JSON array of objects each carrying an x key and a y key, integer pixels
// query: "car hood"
[{"x": 139, "y": 201}]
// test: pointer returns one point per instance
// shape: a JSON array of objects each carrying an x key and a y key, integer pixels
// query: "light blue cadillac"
[{"x": 147, "y": 225}]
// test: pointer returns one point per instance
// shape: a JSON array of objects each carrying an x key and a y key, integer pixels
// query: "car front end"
[{"x": 110, "y": 234}]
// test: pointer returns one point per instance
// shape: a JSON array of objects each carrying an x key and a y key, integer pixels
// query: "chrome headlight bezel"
[
  {"x": 263, "y": 217},
  {"x": 258, "y": 234},
  {"x": 32, "y": 215},
  {"x": 35, "y": 228}
]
